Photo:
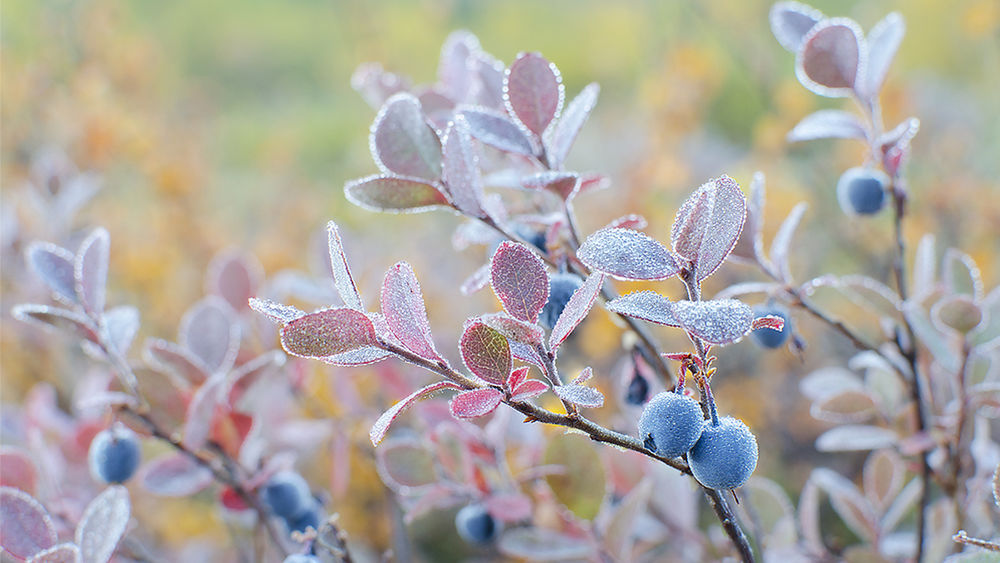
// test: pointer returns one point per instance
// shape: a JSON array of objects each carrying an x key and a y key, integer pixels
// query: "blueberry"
[
  {"x": 287, "y": 494},
  {"x": 638, "y": 390},
  {"x": 561, "y": 288},
  {"x": 301, "y": 558},
  {"x": 725, "y": 455},
  {"x": 670, "y": 424},
  {"x": 309, "y": 518},
  {"x": 114, "y": 454},
  {"x": 769, "y": 338},
  {"x": 475, "y": 525},
  {"x": 861, "y": 191}
]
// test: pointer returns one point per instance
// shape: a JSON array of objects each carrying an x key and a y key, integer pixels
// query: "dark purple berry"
[
  {"x": 309, "y": 518},
  {"x": 725, "y": 455},
  {"x": 475, "y": 525},
  {"x": 670, "y": 424},
  {"x": 770, "y": 338},
  {"x": 114, "y": 454},
  {"x": 638, "y": 390},
  {"x": 287, "y": 494},
  {"x": 861, "y": 191},
  {"x": 561, "y": 288}
]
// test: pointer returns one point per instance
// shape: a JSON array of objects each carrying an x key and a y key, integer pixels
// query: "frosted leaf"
[
  {"x": 61, "y": 553},
  {"x": 528, "y": 390},
  {"x": 576, "y": 309},
  {"x": 475, "y": 403},
  {"x": 533, "y": 91},
  {"x": 585, "y": 375},
  {"x": 750, "y": 245},
  {"x": 402, "y": 142},
  {"x": 848, "y": 503},
  {"x": 855, "y": 438},
  {"x": 746, "y": 288},
  {"x": 828, "y": 124},
  {"x": 883, "y": 42},
  {"x": 175, "y": 475},
  {"x": 850, "y": 406},
  {"x": 593, "y": 182},
  {"x": 376, "y": 85},
  {"x": 122, "y": 323},
  {"x": 405, "y": 313},
  {"x": 395, "y": 194},
  {"x": 519, "y": 280},
  {"x": 497, "y": 131},
  {"x": 210, "y": 329},
  {"x": 961, "y": 274},
  {"x": 63, "y": 319},
  {"x": 359, "y": 357},
  {"x": 341, "y": 270},
  {"x": 454, "y": 65},
  {"x": 540, "y": 544},
  {"x": 646, "y": 305},
  {"x": 277, "y": 312},
  {"x": 630, "y": 221},
  {"x": 478, "y": 280},
  {"x": 90, "y": 270},
  {"x": 783, "y": 240},
  {"x": 564, "y": 184},
  {"x": 791, "y": 21},
  {"x": 517, "y": 377},
  {"x": 436, "y": 105},
  {"x": 832, "y": 58},
  {"x": 25, "y": 527},
  {"x": 627, "y": 255},
  {"x": 405, "y": 465},
  {"x": 234, "y": 276},
  {"x": 719, "y": 321},
  {"x": 883, "y": 477},
  {"x": 708, "y": 224},
  {"x": 328, "y": 333},
  {"x": 201, "y": 411},
  {"x": 569, "y": 125},
  {"x": 103, "y": 524},
  {"x": 580, "y": 395},
  {"x": 488, "y": 89},
  {"x": 526, "y": 353},
  {"x": 769, "y": 321},
  {"x": 461, "y": 169},
  {"x": 829, "y": 381},
  {"x": 18, "y": 470},
  {"x": 486, "y": 353},
  {"x": 514, "y": 329},
  {"x": 54, "y": 264},
  {"x": 381, "y": 425},
  {"x": 167, "y": 357},
  {"x": 900, "y": 135}
]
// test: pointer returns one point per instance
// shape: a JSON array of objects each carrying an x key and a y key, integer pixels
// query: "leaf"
[
  {"x": 630, "y": 221},
  {"x": 328, "y": 333},
  {"x": 61, "y": 553},
  {"x": 883, "y": 42},
  {"x": 719, "y": 321},
  {"x": 646, "y": 305},
  {"x": 783, "y": 239},
  {"x": 514, "y": 330},
  {"x": 770, "y": 321},
  {"x": 924, "y": 266},
  {"x": 475, "y": 403},
  {"x": 461, "y": 169},
  {"x": 405, "y": 464},
  {"x": 509, "y": 507},
  {"x": 517, "y": 377},
  {"x": 828, "y": 124},
  {"x": 832, "y": 57},
  {"x": 987, "y": 333},
  {"x": 402, "y": 142},
  {"x": 576, "y": 309},
  {"x": 122, "y": 323},
  {"x": 62, "y": 319},
  {"x": 581, "y": 487},
  {"x": 926, "y": 333},
  {"x": 54, "y": 264},
  {"x": 533, "y": 91},
  {"x": 884, "y": 474},
  {"x": 791, "y": 21},
  {"x": 405, "y": 313},
  {"x": 201, "y": 411},
  {"x": 486, "y": 353},
  {"x": 586, "y": 374},
  {"x": 25, "y": 527},
  {"x": 453, "y": 66},
  {"x": 90, "y": 270},
  {"x": 570, "y": 123},
  {"x": 234, "y": 276},
  {"x": 528, "y": 390},
  {"x": 381, "y": 425},
  {"x": 619, "y": 536},
  {"x": 850, "y": 406},
  {"x": 855, "y": 438},
  {"x": 394, "y": 194},
  {"x": 169, "y": 358},
  {"x": 563, "y": 184},
  {"x": 490, "y": 72},
  {"x": 211, "y": 331},
  {"x": 497, "y": 131},
  {"x": 103, "y": 524},
  {"x": 627, "y": 255},
  {"x": 175, "y": 475},
  {"x": 537, "y": 544},
  {"x": 848, "y": 502},
  {"x": 519, "y": 280},
  {"x": 961, "y": 274},
  {"x": 580, "y": 395},
  {"x": 376, "y": 85},
  {"x": 708, "y": 224},
  {"x": 277, "y": 312},
  {"x": 17, "y": 470},
  {"x": 476, "y": 281}
]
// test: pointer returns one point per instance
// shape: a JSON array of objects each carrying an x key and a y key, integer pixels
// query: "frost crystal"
[
  {"x": 717, "y": 322},
  {"x": 627, "y": 255}
]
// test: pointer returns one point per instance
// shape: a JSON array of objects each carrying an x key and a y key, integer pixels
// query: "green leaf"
[{"x": 581, "y": 487}]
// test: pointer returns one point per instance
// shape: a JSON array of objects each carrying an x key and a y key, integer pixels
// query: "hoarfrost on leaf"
[
  {"x": 405, "y": 313},
  {"x": 497, "y": 131},
  {"x": 832, "y": 58},
  {"x": 402, "y": 142},
  {"x": 381, "y": 425},
  {"x": 342, "y": 278},
  {"x": 828, "y": 124},
  {"x": 646, "y": 305},
  {"x": 395, "y": 194},
  {"x": 533, "y": 91},
  {"x": 627, "y": 255},
  {"x": 708, "y": 224},
  {"x": 519, "y": 280},
  {"x": 576, "y": 309},
  {"x": 327, "y": 333},
  {"x": 475, "y": 403},
  {"x": 486, "y": 353},
  {"x": 461, "y": 169},
  {"x": 791, "y": 21},
  {"x": 719, "y": 321}
]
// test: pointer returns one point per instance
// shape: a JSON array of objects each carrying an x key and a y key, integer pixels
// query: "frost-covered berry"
[
  {"x": 638, "y": 390},
  {"x": 475, "y": 525},
  {"x": 670, "y": 424},
  {"x": 114, "y": 454},
  {"x": 309, "y": 518},
  {"x": 561, "y": 288},
  {"x": 861, "y": 191},
  {"x": 770, "y": 338},
  {"x": 725, "y": 455},
  {"x": 288, "y": 495}
]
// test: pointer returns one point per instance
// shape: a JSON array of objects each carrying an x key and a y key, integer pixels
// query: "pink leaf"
[
  {"x": 25, "y": 527},
  {"x": 791, "y": 21},
  {"x": 381, "y": 425},
  {"x": 584, "y": 376},
  {"x": 488, "y": 91},
  {"x": 526, "y": 353},
  {"x": 770, "y": 321},
  {"x": 719, "y": 321},
  {"x": 169, "y": 358},
  {"x": 461, "y": 169},
  {"x": 883, "y": 42},
  {"x": 533, "y": 91},
  {"x": 201, "y": 411},
  {"x": 211, "y": 331},
  {"x": 90, "y": 270},
  {"x": 175, "y": 475},
  {"x": 580, "y": 395},
  {"x": 577, "y": 307},
  {"x": 513, "y": 329},
  {"x": 563, "y": 184},
  {"x": 61, "y": 553},
  {"x": 402, "y": 142},
  {"x": 475, "y": 403},
  {"x": 63, "y": 319},
  {"x": 497, "y": 131},
  {"x": 569, "y": 125},
  {"x": 708, "y": 225},
  {"x": 277, "y": 312},
  {"x": 528, "y": 390},
  {"x": 517, "y": 377},
  {"x": 54, "y": 264},
  {"x": 646, "y": 305},
  {"x": 18, "y": 471},
  {"x": 486, "y": 353},
  {"x": 828, "y": 124},
  {"x": 627, "y": 255},
  {"x": 395, "y": 194},
  {"x": 519, "y": 280},
  {"x": 453, "y": 67},
  {"x": 328, "y": 333},
  {"x": 234, "y": 276},
  {"x": 403, "y": 307},
  {"x": 103, "y": 524},
  {"x": 832, "y": 56}
]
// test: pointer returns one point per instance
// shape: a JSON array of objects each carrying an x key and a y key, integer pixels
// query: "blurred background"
[{"x": 233, "y": 124}]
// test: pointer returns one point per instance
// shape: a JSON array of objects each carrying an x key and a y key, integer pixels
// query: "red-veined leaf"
[
  {"x": 405, "y": 313},
  {"x": 519, "y": 280},
  {"x": 576, "y": 309},
  {"x": 486, "y": 353},
  {"x": 517, "y": 377},
  {"x": 708, "y": 224},
  {"x": 395, "y": 194},
  {"x": 328, "y": 333},
  {"x": 475, "y": 403}
]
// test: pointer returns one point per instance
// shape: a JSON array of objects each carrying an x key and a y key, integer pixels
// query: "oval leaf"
[
  {"x": 381, "y": 425},
  {"x": 171, "y": 359},
  {"x": 103, "y": 524},
  {"x": 62, "y": 553},
  {"x": 519, "y": 281},
  {"x": 791, "y": 21},
  {"x": 719, "y": 321},
  {"x": 54, "y": 264},
  {"x": 569, "y": 125},
  {"x": 175, "y": 475},
  {"x": 708, "y": 225},
  {"x": 883, "y": 42},
  {"x": 581, "y": 486},
  {"x": 528, "y": 390},
  {"x": 63, "y": 319},
  {"x": 90, "y": 270},
  {"x": 646, "y": 305},
  {"x": 475, "y": 403},
  {"x": 533, "y": 91},
  {"x": 576, "y": 309},
  {"x": 328, "y": 333},
  {"x": 627, "y": 255},
  {"x": 461, "y": 169},
  {"x": 342, "y": 278},
  {"x": 394, "y": 194},
  {"x": 402, "y": 141},
  {"x": 855, "y": 438},
  {"x": 25, "y": 527},
  {"x": 486, "y": 353},
  {"x": 832, "y": 55},
  {"x": 405, "y": 313},
  {"x": 234, "y": 276},
  {"x": 497, "y": 131},
  {"x": 211, "y": 331},
  {"x": 828, "y": 124}
]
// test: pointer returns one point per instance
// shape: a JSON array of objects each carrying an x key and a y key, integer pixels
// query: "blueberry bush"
[{"x": 512, "y": 432}]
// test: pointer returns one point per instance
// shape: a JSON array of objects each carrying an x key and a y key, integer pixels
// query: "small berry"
[
  {"x": 725, "y": 455},
  {"x": 114, "y": 454},
  {"x": 475, "y": 525},
  {"x": 287, "y": 494},
  {"x": 861, "y": 191},
  {"x": 307, "y": 519},
  {"x": 670, "y": 424},
  {"x": 561, "y": 288},
  {"x": 638, "y": 390},
  {"x": 769, "y": 338}
]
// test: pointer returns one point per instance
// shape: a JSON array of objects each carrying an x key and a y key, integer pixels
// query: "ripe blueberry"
[
  {"x": 769, "y": 338},
  {"x": 725, "y": 455},
  {"x": 114, "y": 454},
  {"x": 670, "y": 424},
  {"x": 308, "y": 519},
  {"x": 861, "y": 191},
  {"x": 288, "y": 496},
  {"x": 561, "y": 288},
  {"x": 638, "y": 390},
  {"x": 475, "y": 525}
]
